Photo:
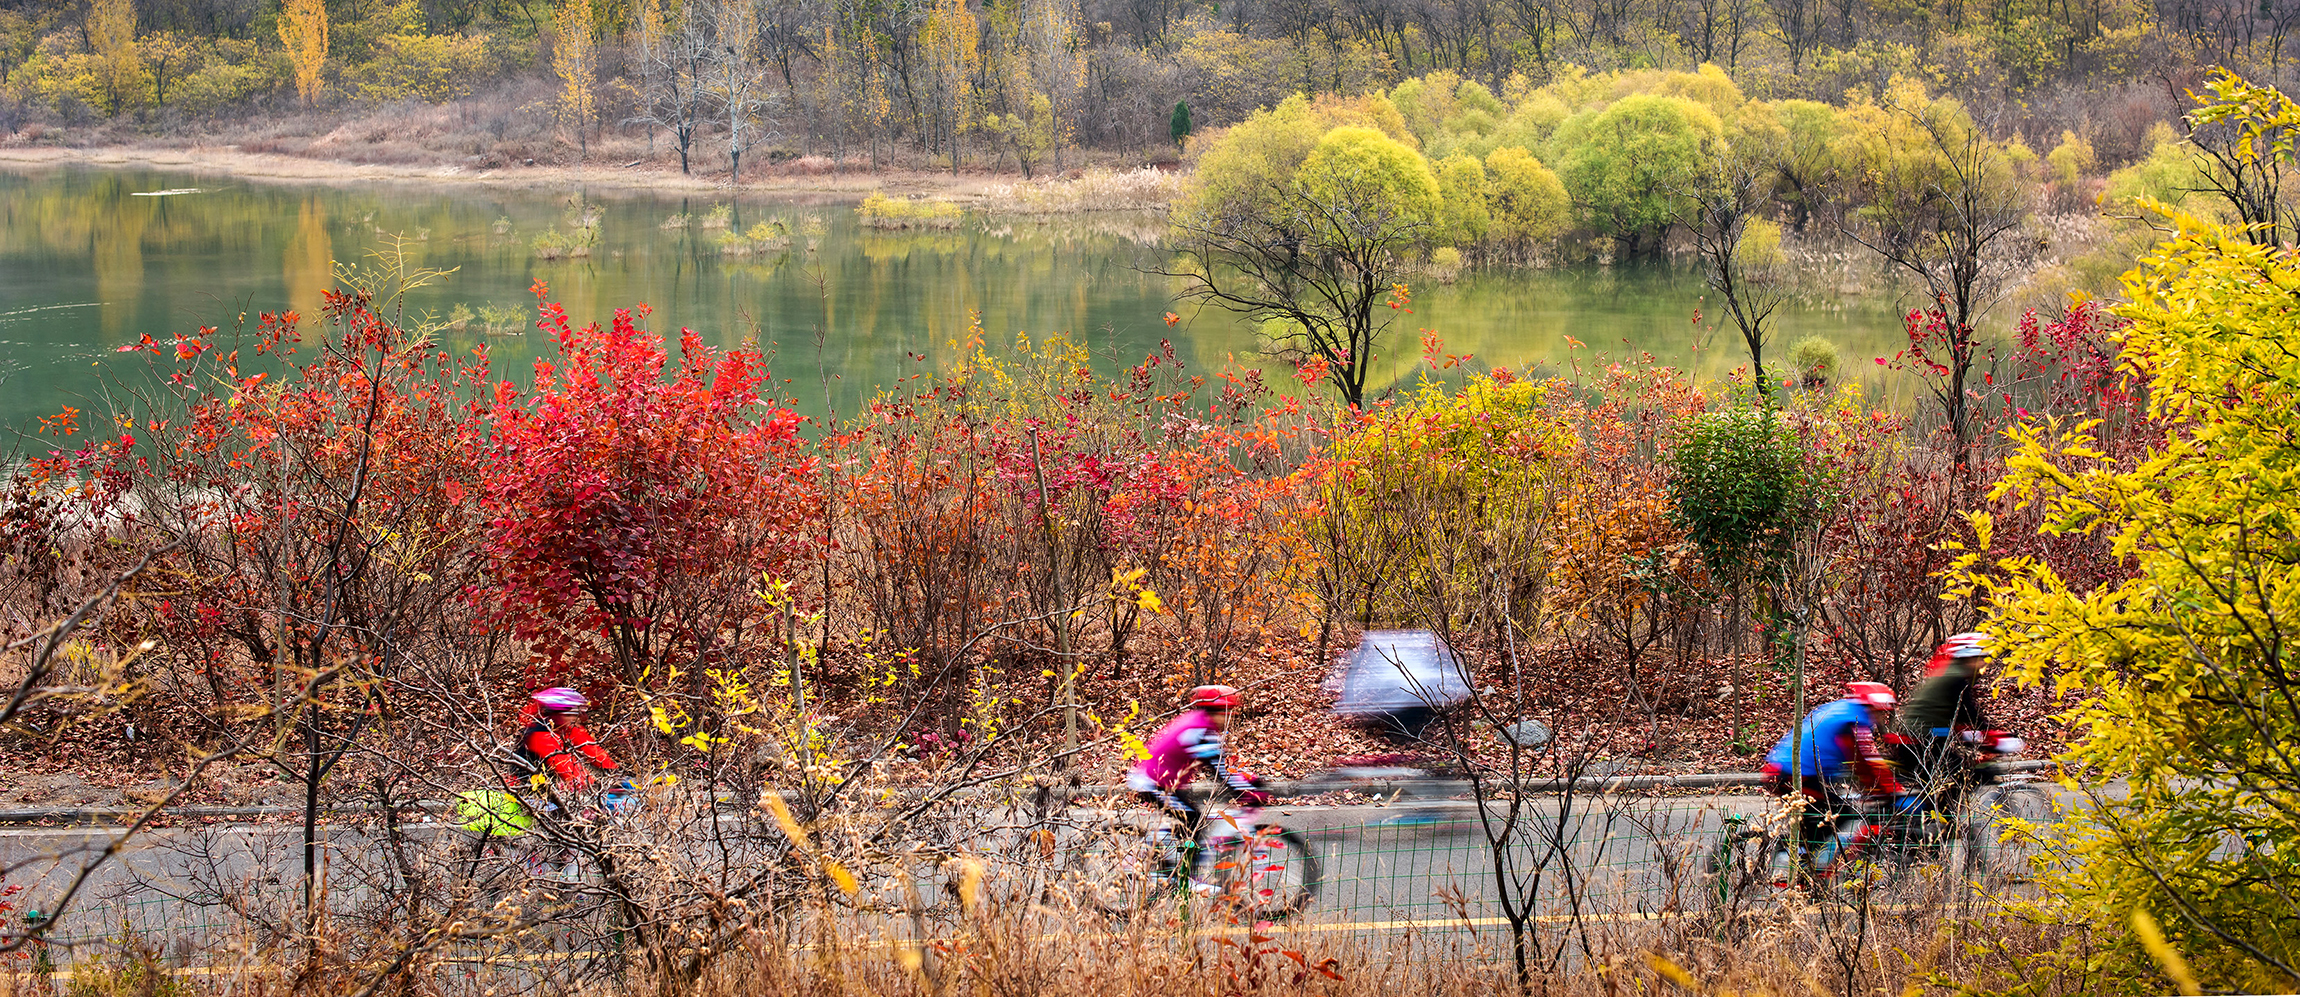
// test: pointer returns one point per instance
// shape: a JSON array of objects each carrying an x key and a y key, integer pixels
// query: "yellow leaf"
[
  {"x": 970, "y": 884},
  {"x": 839, "y": 874},
  {"x": 773, "y": 802},
  {"x": 1669, "y": 970},
  {"x": 2151, "y": 938}
]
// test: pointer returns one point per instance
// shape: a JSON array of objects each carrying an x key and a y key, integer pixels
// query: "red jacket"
[{"x": 556, "y": 749}]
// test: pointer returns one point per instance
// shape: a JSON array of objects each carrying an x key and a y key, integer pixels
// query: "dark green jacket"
[{"x": 1948, "y": 700}]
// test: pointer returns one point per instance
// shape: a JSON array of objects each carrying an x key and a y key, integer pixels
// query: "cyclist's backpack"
[{"x": 522, "y": 762}]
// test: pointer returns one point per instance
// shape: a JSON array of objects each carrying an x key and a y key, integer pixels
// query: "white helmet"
[{"x": 1970, "y": 644}]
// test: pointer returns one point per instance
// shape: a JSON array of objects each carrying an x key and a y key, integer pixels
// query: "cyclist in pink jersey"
[{"x": 1192, "y": 740}]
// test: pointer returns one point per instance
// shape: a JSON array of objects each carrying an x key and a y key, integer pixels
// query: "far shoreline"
[{"x": 641, "y": 178}]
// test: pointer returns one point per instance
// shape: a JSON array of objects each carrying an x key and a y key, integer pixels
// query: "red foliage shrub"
[{"x": 630, "y": 511}]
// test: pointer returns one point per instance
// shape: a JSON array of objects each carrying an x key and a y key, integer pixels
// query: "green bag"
[{"x": 492, "y": 813}]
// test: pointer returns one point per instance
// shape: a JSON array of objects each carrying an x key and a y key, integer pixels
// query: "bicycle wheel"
[
  {"x": 1998, "y": 833},
  {"x": 1270, "y": 874},
  {"x": 1115, "y": 874},
  {"x": 1738, "y": 869},
  {"x": 1879, "y": 872}
]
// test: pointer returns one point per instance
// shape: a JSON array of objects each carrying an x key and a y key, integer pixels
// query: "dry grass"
[
  {"x": 1048, "y": 953},
  {"x": 1144, "y": 189}
]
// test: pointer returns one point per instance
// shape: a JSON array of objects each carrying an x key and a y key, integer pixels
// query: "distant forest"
[{"x": 1047, "y": 84}]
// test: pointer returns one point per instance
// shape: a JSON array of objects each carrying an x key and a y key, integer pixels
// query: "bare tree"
[
  {"x": 1946, "y": 205},
  {"x": 677, "y": 62},
  {"x": 1740, "y": 248},
  {"x": 738, "y": 80},
  {"x": 1322, "y": 267},
  {"x": 1797, "y": 23}
]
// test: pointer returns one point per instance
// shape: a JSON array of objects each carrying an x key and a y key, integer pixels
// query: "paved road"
[{"x": 1408, "y": 862}]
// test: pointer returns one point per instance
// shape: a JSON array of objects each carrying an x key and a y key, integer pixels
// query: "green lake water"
[{"x": 88, "y": 263}]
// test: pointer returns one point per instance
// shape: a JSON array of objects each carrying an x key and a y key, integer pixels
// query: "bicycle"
[
  {"x": 1995, "y": 805},
  {"x": 1973, "y": 825},
  {"x": 504, "y": 826},
  {"x": 1259, "y": 871}
]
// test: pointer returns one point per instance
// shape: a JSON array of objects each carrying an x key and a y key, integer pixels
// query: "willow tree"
[
  {"x": 1529, "y": 204},
  {"x": 1309, "y": 244},
  {"x": 1631, "y": 165}
]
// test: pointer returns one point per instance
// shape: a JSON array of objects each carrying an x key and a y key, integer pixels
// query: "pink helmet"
[
  {"x": 560, "y": 699},
  {"x": 1213, "y": 697},
  {"x": 1876, "y": 694}
]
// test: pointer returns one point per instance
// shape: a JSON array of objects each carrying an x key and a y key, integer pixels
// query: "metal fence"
[{"x": 1601, "y": 856}]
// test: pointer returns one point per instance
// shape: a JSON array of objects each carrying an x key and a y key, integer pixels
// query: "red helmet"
[
  {"x": 1970, "y": 644},
  {"x": 1213, "y": 697},
  {"x": 1875, "y": 694}
]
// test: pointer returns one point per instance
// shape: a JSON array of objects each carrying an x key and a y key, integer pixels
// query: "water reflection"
[{"x": 85, "y": 266}]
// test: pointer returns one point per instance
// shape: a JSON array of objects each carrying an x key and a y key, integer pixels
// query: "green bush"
[
  {"x": 2072, "y": 158},
  {"x": 581, "y": 236},
  {"x": 2173, "y": 171},
  {"x": 769, "y": 236},
  {"x": 1445, "y": 265},
  {"x": 1815, "y": 360},
  {"x": 1459, "y": 480},
  {"x": 432, "y": 68},
  {"x": 1741, "y": 490}
]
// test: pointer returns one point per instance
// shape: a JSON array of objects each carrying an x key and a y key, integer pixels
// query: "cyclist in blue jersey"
[{"x": 1836, "y": 745}]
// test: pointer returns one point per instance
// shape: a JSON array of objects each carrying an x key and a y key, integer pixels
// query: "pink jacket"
[{"x": 1180, "y": 746}]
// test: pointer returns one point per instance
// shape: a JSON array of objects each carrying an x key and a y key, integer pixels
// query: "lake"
[{"x": 91, "y": 259}]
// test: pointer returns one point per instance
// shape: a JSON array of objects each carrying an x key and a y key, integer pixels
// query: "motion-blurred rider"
[
  {"x": 1832, "y": 746},
  {"x": 555, "y": 742},
  {"x": 1191, "y": 741},
  {"x": 1944, "y": 712}
]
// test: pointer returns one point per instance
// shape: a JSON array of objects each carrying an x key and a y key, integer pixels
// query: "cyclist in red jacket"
[{"x": 554, "y": 740}]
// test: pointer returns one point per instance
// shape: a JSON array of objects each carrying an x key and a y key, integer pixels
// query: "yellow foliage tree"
[
  {"x": 112, "y": 36},
  {"x": 950, "y": 42},
  {"x": 2181, "y": 676},
  {"x": 303, "y": 29},
  {"x": 575, "y": 60},
  {"x": 1057, "y": 60}
]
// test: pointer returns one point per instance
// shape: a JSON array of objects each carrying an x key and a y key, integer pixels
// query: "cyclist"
[
  {"x": 1192, "y": 740},
  {"x": 554, "y": 741},
  {"x": 1945, "y": 711},
  {"x": 1834, "y": 744}
]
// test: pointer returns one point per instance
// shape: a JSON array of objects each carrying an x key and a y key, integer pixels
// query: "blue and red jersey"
[{"x": 1835, "y": 742}]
